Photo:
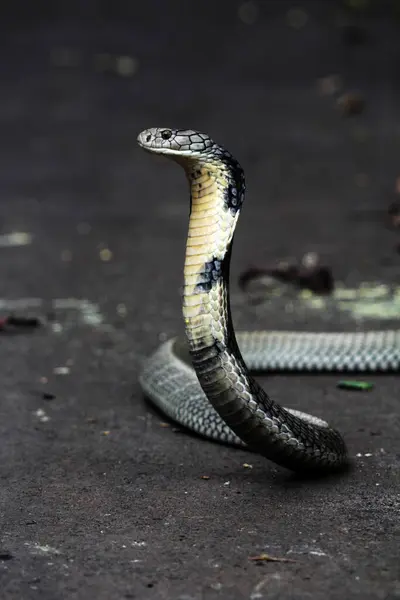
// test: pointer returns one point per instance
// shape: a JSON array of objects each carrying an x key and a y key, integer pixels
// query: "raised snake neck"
[{"x": 229, "y": 405}]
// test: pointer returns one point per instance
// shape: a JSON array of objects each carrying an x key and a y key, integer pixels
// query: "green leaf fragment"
[{"x": 355, "y": 385}]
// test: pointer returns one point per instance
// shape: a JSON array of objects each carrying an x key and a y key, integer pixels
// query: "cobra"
[{"x": 204, "y": 382}]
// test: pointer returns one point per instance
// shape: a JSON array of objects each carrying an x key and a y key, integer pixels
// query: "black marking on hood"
[
  {"x": 210, "y": 274},
  {"x": 234, "y": 191},
  {"x": 214, "y": 271}
]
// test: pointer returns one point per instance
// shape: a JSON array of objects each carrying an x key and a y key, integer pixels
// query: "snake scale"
[{"x": 203, "y": 382}]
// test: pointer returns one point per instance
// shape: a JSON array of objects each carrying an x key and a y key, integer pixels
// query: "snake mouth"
[{"x": 164, "y": 150}]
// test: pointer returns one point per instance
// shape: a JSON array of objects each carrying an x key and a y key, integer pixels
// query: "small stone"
[
  {"x": 126, "y": 66},
  {"x": 61, "y": 370},
  {"x": 310, "y": 259},
  {"x": 105, "y": 255},
  {"x": 122, "y": 310},
  {"x": 41, "y": 415}
]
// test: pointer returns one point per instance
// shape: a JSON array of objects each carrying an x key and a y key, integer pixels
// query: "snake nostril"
[
  {"x": 148, "y": 137},
  {"x": 166, "y": 134}
]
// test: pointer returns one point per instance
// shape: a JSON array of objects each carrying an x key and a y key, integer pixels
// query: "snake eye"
[
  {"x": 166, "y": 134},
  {"x": 148, "y": 137}
]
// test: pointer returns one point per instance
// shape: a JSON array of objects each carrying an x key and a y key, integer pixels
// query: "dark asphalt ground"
[{"x": 98, "y": 500}]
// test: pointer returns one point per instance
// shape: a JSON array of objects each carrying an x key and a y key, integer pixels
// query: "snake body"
[{"x": 204, "y": 382}]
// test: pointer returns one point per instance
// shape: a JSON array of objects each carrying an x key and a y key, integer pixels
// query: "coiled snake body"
[{"x": 203, "y": 382}]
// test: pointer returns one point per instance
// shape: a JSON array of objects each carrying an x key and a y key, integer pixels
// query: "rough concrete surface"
[{"x": 98, "y": 499}]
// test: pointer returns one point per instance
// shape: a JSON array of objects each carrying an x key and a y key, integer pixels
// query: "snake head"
[{"x": 176, "y": 143}]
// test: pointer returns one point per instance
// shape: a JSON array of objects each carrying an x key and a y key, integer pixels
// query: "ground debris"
[
  {"x": 308, "y": 275},
  {"x": 359, "y": 386},
  {"x": 351, "y": 104},
  {"x": 263, "y": 557},
  {"x": 13, "y": 323},
  {"x": 105, "y": 254},
  {"x": 43, "y": 395},
  {"x": 61, "y": 370}
]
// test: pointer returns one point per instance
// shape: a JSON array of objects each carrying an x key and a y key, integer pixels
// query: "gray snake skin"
[{"x": 204, "y": 382}]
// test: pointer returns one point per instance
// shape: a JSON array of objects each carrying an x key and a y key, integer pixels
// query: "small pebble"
[
  {"x": 105, "y": 254},
  {"x": 41, "y": 415},
  {"x": 61, "y": 370},
  {"x": 126, "y": 66},
  {"x": 310, "y": 259},
  {"x": 122, "y": 310}
]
